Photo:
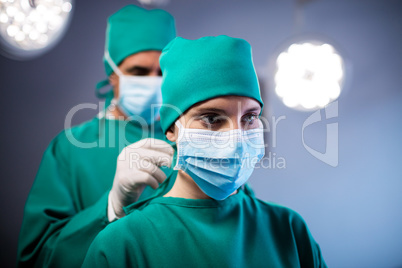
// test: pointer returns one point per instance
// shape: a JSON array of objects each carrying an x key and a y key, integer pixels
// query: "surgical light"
[
  {"x": 309, "y": 75},
  {"x": 30, "y": 27},
  {"x": 153, "y": 2}
]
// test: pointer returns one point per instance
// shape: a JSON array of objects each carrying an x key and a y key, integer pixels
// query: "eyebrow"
[
  {"x": 253, "y": 109},
  {"x": 209, "y": 110},
  {"x": 221, "y": 111},
  {"x": 206, "y": 109}
]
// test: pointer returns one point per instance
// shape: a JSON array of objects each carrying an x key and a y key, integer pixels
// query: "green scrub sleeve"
[
  {"x": 53, "y": 226},
  {"x": 308, "y": 250},
  {"x": 100, "y": 254}
]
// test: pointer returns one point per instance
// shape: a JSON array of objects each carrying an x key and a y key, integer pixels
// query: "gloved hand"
[{"x": 137, "y": 166}]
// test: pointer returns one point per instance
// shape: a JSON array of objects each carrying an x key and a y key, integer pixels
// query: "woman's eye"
[
  {"x": 250, "y": 119},
  {"x": 211, "y": 119}
]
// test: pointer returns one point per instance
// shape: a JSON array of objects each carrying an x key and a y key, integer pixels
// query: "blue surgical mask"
[
  {"x": 219, "y": 162},
  {"x": 139, "y": 96}
]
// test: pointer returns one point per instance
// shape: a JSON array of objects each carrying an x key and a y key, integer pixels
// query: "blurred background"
[{"x": 353, "y": 207}]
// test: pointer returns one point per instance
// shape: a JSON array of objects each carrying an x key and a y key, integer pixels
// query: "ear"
[
  {"x": 114, "y": 82},
  {"x": 113, "y": 79},
  {"x": 171, "y": 133}
]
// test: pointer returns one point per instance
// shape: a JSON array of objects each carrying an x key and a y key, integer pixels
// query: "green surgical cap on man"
[
  {"x": 202, "y": 69},
  {"x": 133, "y": 29}
]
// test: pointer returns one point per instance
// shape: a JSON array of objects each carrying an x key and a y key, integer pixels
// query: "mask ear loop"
[
  {"x": 110, "y": 95},
  {"x": 181, "y": 130}
]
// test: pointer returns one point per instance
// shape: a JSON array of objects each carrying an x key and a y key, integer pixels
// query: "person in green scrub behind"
[
  {"x": 209, "y": 218},
  {"x": 80, "y": 186}
]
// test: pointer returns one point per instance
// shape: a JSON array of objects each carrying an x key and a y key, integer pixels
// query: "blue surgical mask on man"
[
  {"x": 139, "y": 96},
  {"x": 219, "y": 161}
]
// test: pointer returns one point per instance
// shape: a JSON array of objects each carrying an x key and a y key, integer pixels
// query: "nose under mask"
[
  {"x": 219, "y": 162},
  {"x": 140, "y": 97}
]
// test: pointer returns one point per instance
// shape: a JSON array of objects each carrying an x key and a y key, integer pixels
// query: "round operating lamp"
[
  {"x": 309, "y": 75},
  {"x": 153, "y": 2},
  {"x": 29, "y": 28}
]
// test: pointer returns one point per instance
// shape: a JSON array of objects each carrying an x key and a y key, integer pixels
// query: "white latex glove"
[{"x": 137, "y": 166}]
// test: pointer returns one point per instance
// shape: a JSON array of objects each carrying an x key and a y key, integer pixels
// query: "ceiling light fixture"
[
  {"x": 309, "y": 75},
  {"x": 153, "y": 2},
  {"x": 29, "y": 28}
]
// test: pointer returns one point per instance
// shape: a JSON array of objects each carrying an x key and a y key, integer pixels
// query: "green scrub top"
[
  {"x": 67, "y": 205},
  {"x": 240, "y": 231}
]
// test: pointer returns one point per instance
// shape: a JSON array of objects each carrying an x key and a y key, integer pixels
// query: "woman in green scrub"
[{"x": 208, "y": 218}]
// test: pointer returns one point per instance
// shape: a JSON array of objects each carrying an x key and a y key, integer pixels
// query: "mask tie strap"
[
  {"x": 106, "y": 94},
  {"x": 112, "y": 64}
]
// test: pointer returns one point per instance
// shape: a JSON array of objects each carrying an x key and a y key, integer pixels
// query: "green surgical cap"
[
  {"x": 202, "y": 69},
  {"x": 133, "y": 29}
]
